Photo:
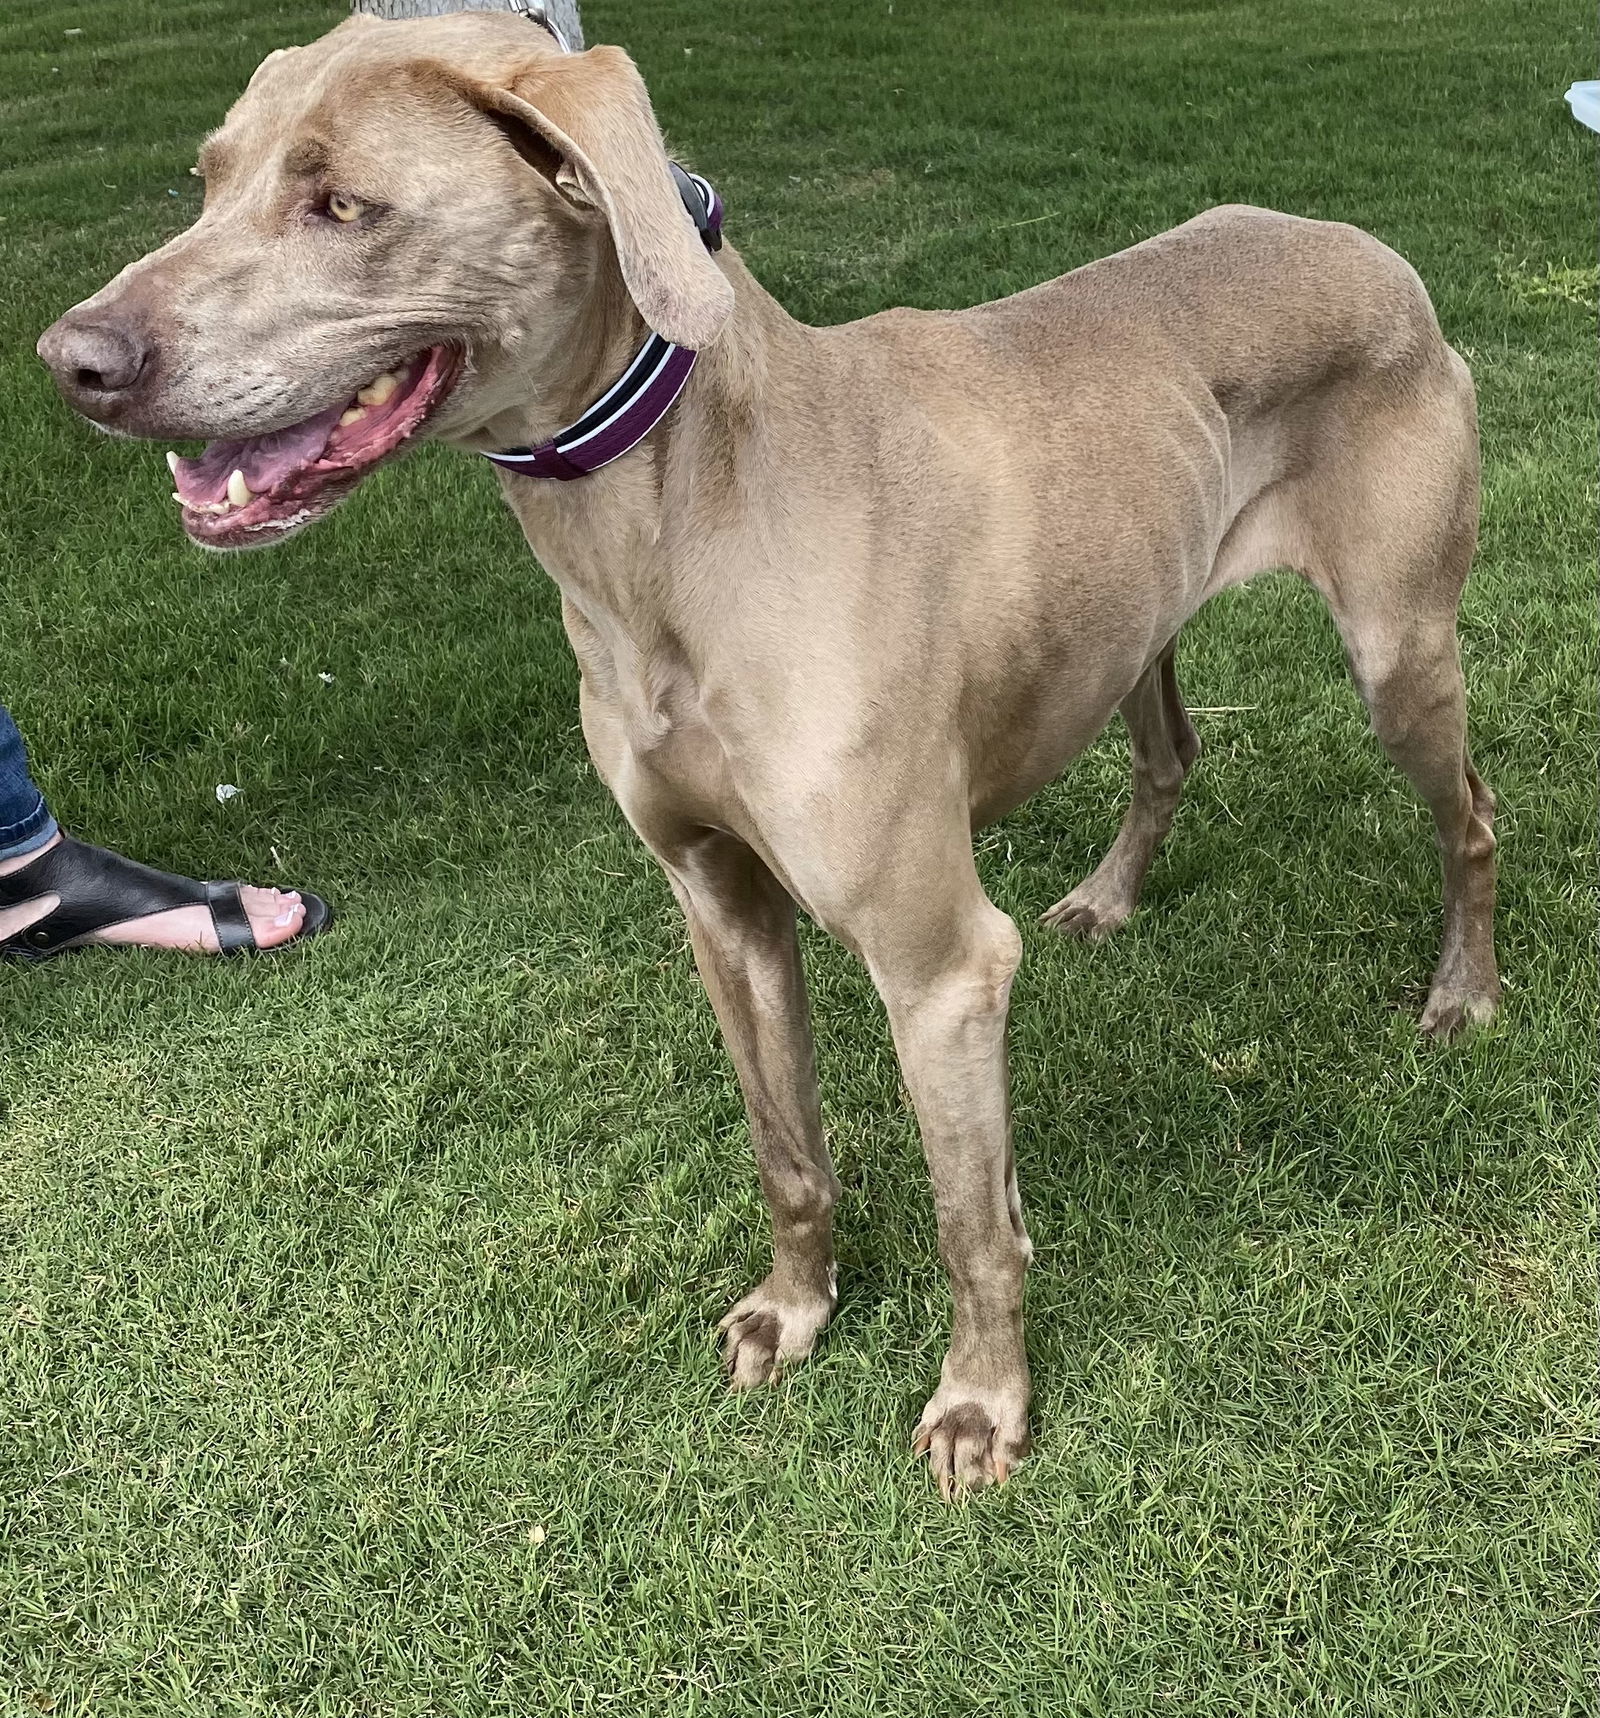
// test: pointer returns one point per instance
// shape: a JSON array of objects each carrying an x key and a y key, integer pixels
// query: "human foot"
[{"x": 273, "y": 916}]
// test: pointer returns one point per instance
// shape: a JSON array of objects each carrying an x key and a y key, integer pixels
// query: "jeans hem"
[{"x": 36, "y": 830}]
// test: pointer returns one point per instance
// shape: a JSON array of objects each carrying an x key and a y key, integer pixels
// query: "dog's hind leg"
[
  {"x": 1164, "y": 746},
  {"x": 1391, "y": 528},
  {"x": 742, "y": 929},
  {"x": 1410, "y": 679}
]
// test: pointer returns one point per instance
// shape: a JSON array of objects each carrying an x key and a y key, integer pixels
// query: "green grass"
[{"x": 355, "y": 1306}]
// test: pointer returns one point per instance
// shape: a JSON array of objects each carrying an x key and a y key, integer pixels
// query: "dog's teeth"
[
  {"x": 379, "y": 389},
  {"x": 178, "y": 498},
  {"x": 172, "y": 462},
  {"x": 353, "y": 416},
  {"x": 238, "y": 490}
]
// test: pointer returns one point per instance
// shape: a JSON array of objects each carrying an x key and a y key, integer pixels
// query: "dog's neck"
[{"x": 586, "y": 531}]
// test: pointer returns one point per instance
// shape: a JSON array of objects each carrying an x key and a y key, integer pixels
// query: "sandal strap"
[
  {"x": 98, "y": 888},
  {"x": 229, "y": 919}
]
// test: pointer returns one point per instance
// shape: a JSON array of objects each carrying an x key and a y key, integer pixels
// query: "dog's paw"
[
  {"x": 768, "y": 1331},
  {"x": 1449, "y": 1012},
  {"x": 972, "y": 1438},
  {"x": 1087, "y": 915}
]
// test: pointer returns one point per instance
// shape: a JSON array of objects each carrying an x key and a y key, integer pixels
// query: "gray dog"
[{"x": 839, "y": 595}]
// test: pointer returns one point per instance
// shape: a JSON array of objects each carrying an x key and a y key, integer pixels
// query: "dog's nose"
[{"x": 94, "y": 362}]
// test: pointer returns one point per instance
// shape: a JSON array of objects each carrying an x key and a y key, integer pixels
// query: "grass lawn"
[{"x": 355, "y": 1307}]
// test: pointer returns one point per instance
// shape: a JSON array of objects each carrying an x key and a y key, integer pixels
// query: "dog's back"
[{"x": 1262, "y": 305}]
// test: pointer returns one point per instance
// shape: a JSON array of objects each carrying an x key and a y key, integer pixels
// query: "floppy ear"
[{"x": 592, "y": 110}]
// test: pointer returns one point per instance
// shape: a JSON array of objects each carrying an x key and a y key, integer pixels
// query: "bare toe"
[{"x": 275, "y": 916}]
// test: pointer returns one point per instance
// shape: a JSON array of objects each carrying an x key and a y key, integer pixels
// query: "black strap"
[
  {"x": 699, "y": 206},
  {"x": 228, "y": 918},
  {"x": 99, "y": 888}
]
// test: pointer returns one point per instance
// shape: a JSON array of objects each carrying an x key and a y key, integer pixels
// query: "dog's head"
[{"x": 403, "y": 224}]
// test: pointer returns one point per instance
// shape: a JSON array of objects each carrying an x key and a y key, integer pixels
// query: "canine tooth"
[
  {"x": 379, "y": 389},
  {"x": 177, "y": 497},
  {"x": 353, "y": 416},
  {"x": 172, "y": 462},
  {"x": 238, "y": 490}
]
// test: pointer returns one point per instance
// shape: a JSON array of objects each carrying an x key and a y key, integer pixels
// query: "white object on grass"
[
  {"x": 226, "y": 791},
  {"x": 1584, "y": 100}
]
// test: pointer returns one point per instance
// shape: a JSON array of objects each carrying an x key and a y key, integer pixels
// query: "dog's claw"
[
  {"x": 750, "y": 1353},
  {"x": 1447, "y": 1016},
  {"x": 972, "y": 1443},
  {"x": 1089, "y": 921},
  {"x": 764, "y": 1334}
]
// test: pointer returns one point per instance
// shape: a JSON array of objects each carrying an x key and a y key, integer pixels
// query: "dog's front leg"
[
  {"x": 742, "y": 928},
  {"x": 945, "y": 978}
]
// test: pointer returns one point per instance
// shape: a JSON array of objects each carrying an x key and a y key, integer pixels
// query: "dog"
[{"x": 852, "y": 592}]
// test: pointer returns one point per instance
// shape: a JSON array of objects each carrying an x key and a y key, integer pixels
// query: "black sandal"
[{"x": 98, "y": 888}]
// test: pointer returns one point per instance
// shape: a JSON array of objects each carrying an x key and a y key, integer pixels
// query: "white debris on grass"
[{"x": 226, "y": 791}]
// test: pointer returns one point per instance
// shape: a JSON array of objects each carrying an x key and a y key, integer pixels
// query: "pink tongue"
[{"x": 265, "y": 460}]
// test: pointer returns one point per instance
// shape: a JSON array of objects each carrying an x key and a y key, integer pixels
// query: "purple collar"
[{"x": 645, "y": 392}]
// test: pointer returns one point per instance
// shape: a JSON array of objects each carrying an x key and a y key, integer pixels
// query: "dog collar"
[
  {"x": 644, "y": 393},
  {"x": 538, "y": 12}
]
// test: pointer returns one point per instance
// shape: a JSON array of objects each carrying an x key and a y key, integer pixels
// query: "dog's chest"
[{"x": 646, "y": 722}]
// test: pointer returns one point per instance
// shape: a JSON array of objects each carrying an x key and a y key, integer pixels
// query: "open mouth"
[{"x": 246, "y": 494}]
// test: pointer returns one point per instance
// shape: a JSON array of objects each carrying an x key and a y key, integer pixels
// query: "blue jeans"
[{"x": 25, "y": 820}]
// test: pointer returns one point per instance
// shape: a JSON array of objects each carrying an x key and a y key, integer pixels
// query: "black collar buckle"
[
  {"x": 538, "y": 12},
  {"x": 702, "y": 203}
]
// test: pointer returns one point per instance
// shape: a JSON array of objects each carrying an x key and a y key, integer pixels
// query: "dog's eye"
[{"x": 343, "y": 207}]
